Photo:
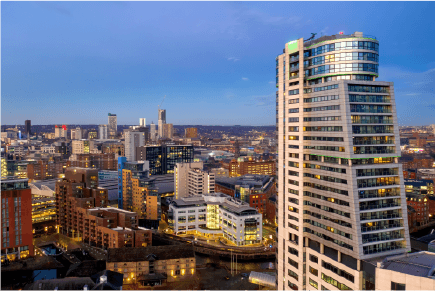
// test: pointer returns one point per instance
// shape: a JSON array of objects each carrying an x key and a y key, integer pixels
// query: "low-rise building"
[
  {"x": 216, "y": 215},
  {"x": 410, "y": 271},
  {"x": 153, "y": 264}
]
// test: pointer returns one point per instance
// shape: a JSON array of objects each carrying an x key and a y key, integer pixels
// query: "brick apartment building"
[
  {"x": 115, "y": 148},
  {"x": 94, "y": 161},
  {"x": 17, "y": 236},
  {"x": 82, "y": 211},
  {"x": 46, "y": 168},
  {"x": 253, "y": 189},
  {"x": 419, "y": 217},
  {"x": 241, "y": 167}
]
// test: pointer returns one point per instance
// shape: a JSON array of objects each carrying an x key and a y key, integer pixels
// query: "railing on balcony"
[
  {"x": 380, "y": 215},
  {"x": 367, "y": 251},
  {"x": 379, "y": 195},
  {"x": 294, "y": 59},
  {"x": 366, "y": 151},
  {"x": 375, "y": 172},
  {"x": 380, "y": 227},
  {"x": 379, "y": 206},
  {"x": 381, "y": 238},
  {"x": 377, "y": 184},
  {"x": 294, "y": 77},
  {"x": 371, "y": 142}
]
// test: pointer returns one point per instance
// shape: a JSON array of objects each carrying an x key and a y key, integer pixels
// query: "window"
[
  {"x": 293, "y": 251},
  {"x": 313, "y": 271},
  {"x": 293, "y": 119},
  {"x": 177, "y": 272},
  {"x": 293, "y": 274},
  {"x": 313, "y": 283},
  {"x": 293, "y": 263},
  {"x": 313, "y": 258}
]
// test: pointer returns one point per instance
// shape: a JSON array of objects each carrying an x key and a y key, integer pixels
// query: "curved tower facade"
[{"x": 341, "y": 200}]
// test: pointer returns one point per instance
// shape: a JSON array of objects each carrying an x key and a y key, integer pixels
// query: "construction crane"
[{"x": 158, "y": 107}]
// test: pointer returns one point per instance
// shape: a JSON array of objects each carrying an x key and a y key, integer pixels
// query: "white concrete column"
[
  {"x": 306, "y": 241},
  {"x": 292, "y": 236},
  {"x": 322, "y": 159},
  {"x": 339, "y": 256},
  {"x": 358, "y": 265},
  {"x": 322, "y": 249}
]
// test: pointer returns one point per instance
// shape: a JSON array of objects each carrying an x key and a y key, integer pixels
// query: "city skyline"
[{"x": 93, "y": 58}]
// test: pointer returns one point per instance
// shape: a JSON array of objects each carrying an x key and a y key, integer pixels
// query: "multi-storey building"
[
  {"x": 153, "y": 132},
  {"x": 112, "y": 125},
  {"x": 139, "y": 193},
  {"x": 46, "y": 168},
  {"x": 216, "y": 215},
  {"x": 102, "y": 131},
  {"x": 153, "y": 264},
  {"x": 253, "y": 189},
  {"x": 340, "y": 196},
  {"x": 168, "y": 130},
  {"x": 191, "y": 132},
  {"x": 133, "y": 140},
  {"x": 76, "y": 133},
  {"x": 142, "y": 122},
  {"x": 43, "y": 214},
  {"x": 164, "y": 158},
  {"x": 113, "y": 147},
  {"x": 95, "y": 161},
  {"x": 61, "y": 131},
  {"x": 17, "y": 237},
  {"x": 191, "y": 178},
  {"x": 421, "y": 211},
  {"x": 242, "y": 167},
  {"x": 27, "y": 128},
  {"x": 162, "y": 119},
  {"x": 82, "y": 146},
  {"x": 81, "y": 212}
]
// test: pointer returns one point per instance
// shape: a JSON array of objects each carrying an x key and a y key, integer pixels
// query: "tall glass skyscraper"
[{"x": 341, "y": 200}]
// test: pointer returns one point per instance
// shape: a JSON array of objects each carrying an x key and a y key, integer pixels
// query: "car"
[
  {"x": 227, "y": 277},
  {"x": 245, "y": 275}
]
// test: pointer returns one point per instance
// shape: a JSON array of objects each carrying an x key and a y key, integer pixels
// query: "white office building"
[
  {"x": 191, "y": 179},
  {"x": 162, "y": 115},
  {"x": 153, "y": 132},
  {"x": 215, "y": 215},
  {"x": 82, "y": 146},
  {"x": 76, "y": 133},
  {"x": 102, "y": 131},
  {"x": 133, "y": 139},
  {"x": 112, "y": 125},
  {"x": 142, "y": 122},
  {"x": 341, "y": 199}
]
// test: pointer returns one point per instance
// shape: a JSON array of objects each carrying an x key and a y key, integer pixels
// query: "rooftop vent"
[{"x": 103, "y": 279}]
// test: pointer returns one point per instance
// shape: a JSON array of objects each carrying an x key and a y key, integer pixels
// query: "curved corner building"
[{"x": 341, "y": 200}]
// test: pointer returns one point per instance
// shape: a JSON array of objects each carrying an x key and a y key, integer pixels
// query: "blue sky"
[{"x": 73, "y": 62}]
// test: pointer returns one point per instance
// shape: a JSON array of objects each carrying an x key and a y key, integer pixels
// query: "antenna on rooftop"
[{"x": 312, "y": 37}]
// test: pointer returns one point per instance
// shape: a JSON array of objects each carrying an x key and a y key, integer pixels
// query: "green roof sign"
[{"x": 292, "y": 46}]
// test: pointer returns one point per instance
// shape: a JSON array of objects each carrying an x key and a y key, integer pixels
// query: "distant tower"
[
  {"x": 153, "y": 132},
  {"x": 237, "y": 149},
  {"x": 162, "y": 120},
  {"x": 27, "y": 128},
  {"x": 133, "y": 139},
  {"x": 142, "y": 122},
  {"x": 112, "y": 125},
  {"x": 102, "y": 131}
]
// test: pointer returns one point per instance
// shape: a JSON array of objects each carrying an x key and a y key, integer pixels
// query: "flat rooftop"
[{"x": 420, "y": 264}]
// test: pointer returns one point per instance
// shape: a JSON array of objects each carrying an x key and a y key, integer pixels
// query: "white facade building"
[
  {"x": 142, "y": 122},
  {"x": 191, "y": 179},
  {"x": 216, "y": 214},
  {"x": 341, "y": 198},
  {"x": 133, "y": 139},
  {"x": 82, "y": 146},
  {"x": 153, "y": 132},
  {"x": 411, "y": 271},
  {"x": 76, "y": 133},
  {"x": 102, "y": 131}
]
